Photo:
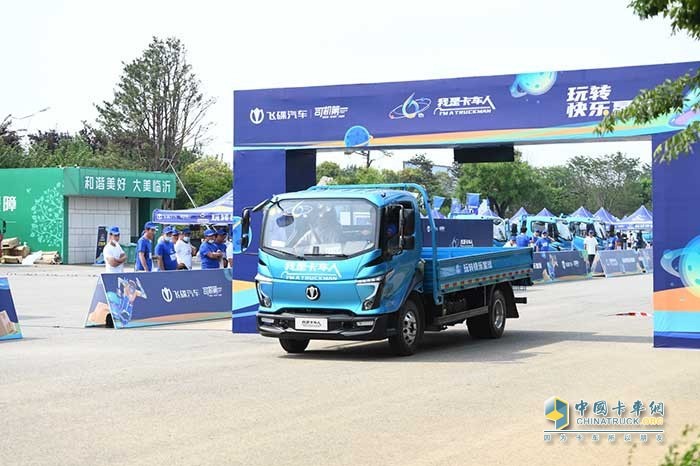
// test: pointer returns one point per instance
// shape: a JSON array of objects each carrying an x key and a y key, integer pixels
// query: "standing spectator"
[
  {"x": 544, "y": 243},
  {"x": 511, "y": 243},
  {"x": 165, "y": 251},
  {"x": 591, "y": 246},
  {"x": 184, "y": 251},
  {"x": 229, "y": 253},
  {"x": 620, "y": 241},
  {"x": 209, "y": 252},
  {"x": 640, "y": 243},
  {"x": 144, "y": 248},
  {"x": 522, "y": 240},
  {"x": 113, "y": 253},
  {"x": 535, "y": 237},
  {"x": 221, "y": 244}
]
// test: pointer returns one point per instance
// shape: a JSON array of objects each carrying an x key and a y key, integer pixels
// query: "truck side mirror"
[
  {"x": 409, "y": 222},
  {"x": 245, "y": 229}
]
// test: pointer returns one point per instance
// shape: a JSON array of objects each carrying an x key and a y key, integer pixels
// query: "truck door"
[{"x": 402, "y": 253}]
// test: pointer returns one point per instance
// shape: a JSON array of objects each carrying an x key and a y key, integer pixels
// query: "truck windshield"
[{"x": 308, "y": 228}]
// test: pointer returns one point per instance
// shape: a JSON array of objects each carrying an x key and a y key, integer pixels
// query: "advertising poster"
[
  {"x": 9, "y": 323},
  {"x": 558, "y": 266},
  {"x": 145, "y": 299},
  {"x": 453, "y": 233},
  {"x": 620, "y": 262},
  {"x": 101, "y": 242}
]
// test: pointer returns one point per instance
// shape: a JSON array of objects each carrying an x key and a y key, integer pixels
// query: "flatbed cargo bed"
[{"x": 463, "y": 268}]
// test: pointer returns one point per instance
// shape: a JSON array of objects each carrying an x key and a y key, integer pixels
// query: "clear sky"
[{"x": 67, "y": 55}]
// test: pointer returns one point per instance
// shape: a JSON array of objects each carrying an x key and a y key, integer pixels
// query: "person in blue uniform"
[
  {"x": 209, "y": 252},
  {"x": 144, "y": 248},
  {"x": 523, "y": 240},
  {"x": 165, "y": 251},
  {"x": 544, "y": 243},
  {"x": 221, "y": 244}
]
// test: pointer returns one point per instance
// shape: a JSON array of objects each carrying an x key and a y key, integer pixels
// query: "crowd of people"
[
  {"x": 172, "y": 250},
  {"x": 542, "y": 242}
]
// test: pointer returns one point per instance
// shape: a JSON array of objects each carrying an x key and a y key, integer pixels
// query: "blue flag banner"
[
  {"x": 438, "y": 201},
  {"x": 456, "y": 206},
  {"x": 9, "y": 323},
  {"x": 554, "y": 266},
  {"x": 473, "y": 200},
  {"x": 618, "y": 262},
  {"x": 145, "y": 299}
]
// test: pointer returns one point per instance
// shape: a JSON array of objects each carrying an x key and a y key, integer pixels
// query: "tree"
[
  {"x": 158, "y": 109},
  {"x": 206, "y": 179},
  {"x": 505, "y": 184},
  {"x": 329, "y": 169},
  {"x": 8, "y": 137},
  {"x": 670, "y": 96},
  {"x": 612, "y": 181}
]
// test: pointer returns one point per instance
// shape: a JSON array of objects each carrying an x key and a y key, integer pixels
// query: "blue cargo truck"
[{"x": 348, "y": 263}]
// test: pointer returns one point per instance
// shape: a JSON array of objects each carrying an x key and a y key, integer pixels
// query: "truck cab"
[
  {"x": 347, "y": 263},
  {"x": 580, "y": 226},
  {"x": 557, "y": 228}
]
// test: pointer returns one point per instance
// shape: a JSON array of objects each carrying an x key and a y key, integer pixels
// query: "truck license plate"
[{"x": 307, "y": 323}]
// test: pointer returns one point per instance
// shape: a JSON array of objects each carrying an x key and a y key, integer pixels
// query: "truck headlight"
[
  {"x": 375, "y": 297},
  {"x": 261, "y": 282}
]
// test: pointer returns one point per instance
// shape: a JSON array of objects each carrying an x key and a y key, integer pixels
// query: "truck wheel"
[
  {"x": 294, "y": 346},
  {"x": 492, "y": 324},
  {"x": 409, "y": 324}
]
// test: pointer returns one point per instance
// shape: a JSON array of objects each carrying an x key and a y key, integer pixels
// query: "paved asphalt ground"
[{"x": 197, "y": 394}]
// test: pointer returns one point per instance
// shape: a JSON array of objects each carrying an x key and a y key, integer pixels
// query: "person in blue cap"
[
  {"x": 144, "y": 248},
  {"x": 165, "y": 251},
  {"x": 221, "y": 244},
  {"x": 113, "y": 253},
  {"x": 209, "y": 252}
]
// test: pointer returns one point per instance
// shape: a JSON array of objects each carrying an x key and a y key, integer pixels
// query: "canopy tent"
[
  {"x": 218, "y": 212},
  {"x": 488, "y": 213},
  {"x": 603, "y": 216},
  {"x": 641, "y": 219},
  {"x": 516, "y": 217},
  {"x": 582, "y": 212},
  {"x": 545, "y": 213}
]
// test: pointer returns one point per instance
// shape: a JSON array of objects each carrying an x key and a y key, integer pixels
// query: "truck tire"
[
  {"x": 493, "y": 323},
  {"x": 294, "y": 346},
  {"x": 409, "y": 324}
]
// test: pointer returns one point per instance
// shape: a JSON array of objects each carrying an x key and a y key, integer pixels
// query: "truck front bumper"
[{"x": 340, "y": 326}]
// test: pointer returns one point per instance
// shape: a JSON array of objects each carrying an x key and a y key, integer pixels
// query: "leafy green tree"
[
  {"x": 612, "y": 181},
  {"x": 670, "y": 96},
  {"x": 506, "y": 184},
  {"x": 330, "y": 169},
  {"x": 206, "y": 179},
  {"x": 158, "y": 109}
]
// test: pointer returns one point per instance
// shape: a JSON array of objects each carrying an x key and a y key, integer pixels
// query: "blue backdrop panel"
[
  {"x": 259, "y": 176},
  {"x": 460, "y": 233},
  {"x": 9, "y": 323},
  {"x": 619, "y": 262},
  {"x": 145, "y": 299},
  {"x": 448, "y": 112},
  {"x": 676, "y": 251}
]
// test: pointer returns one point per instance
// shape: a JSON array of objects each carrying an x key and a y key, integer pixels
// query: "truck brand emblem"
[{"x": 312, "y": 292}]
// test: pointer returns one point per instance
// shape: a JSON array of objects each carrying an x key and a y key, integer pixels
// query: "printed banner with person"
[
  {"x": 555, "y": 266},
  {"x": 9, "y": 323},
  {"x": 143, "y": 299}
]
